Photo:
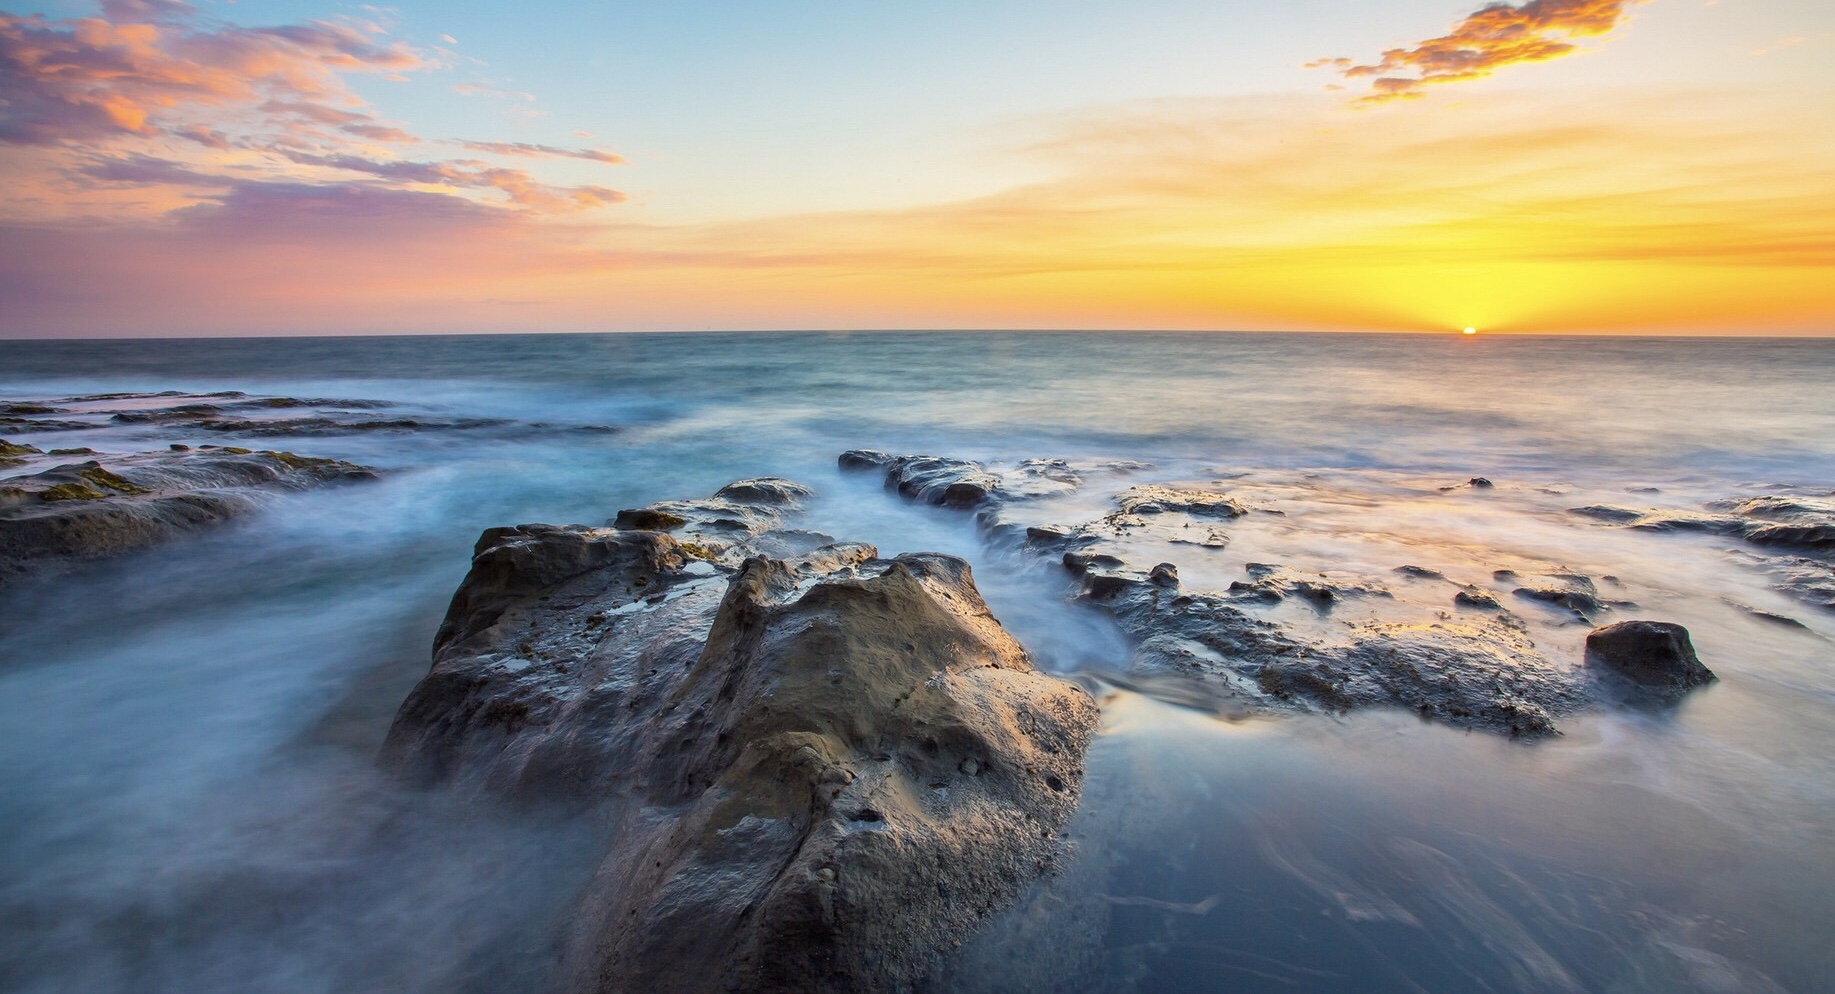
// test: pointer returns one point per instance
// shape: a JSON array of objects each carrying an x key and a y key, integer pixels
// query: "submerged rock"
[
  {"x": 84, "y": 510},
  {"x": 832, "y": 768},
  {"x": 1656, "y": 655}
]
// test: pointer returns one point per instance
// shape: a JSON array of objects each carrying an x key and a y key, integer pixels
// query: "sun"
[{"x": 1470, "y": 331}]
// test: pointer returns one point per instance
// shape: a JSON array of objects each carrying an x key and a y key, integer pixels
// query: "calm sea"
[{"x": 187, "y": 801}]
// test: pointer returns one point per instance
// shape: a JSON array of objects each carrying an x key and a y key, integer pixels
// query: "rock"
[
  {"x": 865, "y": 459},
  {"x": 1420, "y": 572},
  {"x": 18, "y": 449},
  {"x": 1164, "y": 575},
  {"x": 947, "y": 482},
  {"x": 1652, "y": 654},
  {"x": 1270, "y": 583},
  {"x": 828, "y": 770},
  {"x": 1583, "y": 603},
  {"x": 1474, "y": 597},
  {"x": 745, "y": 511},
  {"x": 767, "y": 490},
  {"x": 84, "y": 510},
  {"x": 1607, "y": 512},
  {"x": 1476, "y": 676},
  {"x": 1480, "y": 483},
  {"x": 1155, "y": 499}
]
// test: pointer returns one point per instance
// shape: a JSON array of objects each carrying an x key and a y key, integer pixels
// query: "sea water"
[{"x": 188, "y": 800}]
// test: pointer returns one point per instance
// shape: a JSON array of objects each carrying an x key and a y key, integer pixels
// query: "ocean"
[{"x": 188, "y": 795}]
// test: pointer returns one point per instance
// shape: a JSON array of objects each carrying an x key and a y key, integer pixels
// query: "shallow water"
[{"x": 187, "y": 802}]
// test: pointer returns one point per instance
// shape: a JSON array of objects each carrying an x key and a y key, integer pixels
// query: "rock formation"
[
  {"x": 831, "y": 768},
  {"x": 74, "y": 511}
]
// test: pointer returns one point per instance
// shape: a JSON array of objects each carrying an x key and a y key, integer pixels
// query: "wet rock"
[
  {"x": 860, "y": 459},
  {"x": 828, "y": 770},
  {"x": 1652, "y": 654},
  {"x": 936, "y": 480},
  {"x": 1155, "y": 499},
  {"x": 1420, "y": 572},
  {"x": 1164, "y": 575},
  {"x": 1476, "y": 598},
  {"x": 18, "y": 449},
  {"x": 766, "y": 490},
  {"x": 1583, "y": 603},
  {"x": 1607, "y": 512},
  {"x": 751, "y": 512},
  {"x": 1487, "y": 675},
  {"x": 85, "y": 510},
  {"x": 1270, "y": 583}
]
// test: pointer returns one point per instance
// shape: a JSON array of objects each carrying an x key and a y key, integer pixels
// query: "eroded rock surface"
[
  {"x": 833, "y": 767},
  {"x": 1483, "y": 673},
  {"x": 83, "y": 510}
]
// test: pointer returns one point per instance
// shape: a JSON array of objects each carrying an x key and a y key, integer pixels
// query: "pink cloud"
[{"x": 96, "y": 78}]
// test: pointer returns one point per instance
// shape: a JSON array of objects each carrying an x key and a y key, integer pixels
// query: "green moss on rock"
[
  {"x": 102, "y": 478},
  {"x": 71, "y": 491},
  {"x": 17, "y": 449}
]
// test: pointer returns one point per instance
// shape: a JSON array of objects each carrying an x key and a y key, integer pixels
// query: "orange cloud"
[
  {"x": 1496, "y": 36},
  {"x": 97, "y": 78},
  {"x": 97, "y": 103}
]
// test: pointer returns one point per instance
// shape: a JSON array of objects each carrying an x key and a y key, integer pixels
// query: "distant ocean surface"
[{"x": 188, "y": 801}]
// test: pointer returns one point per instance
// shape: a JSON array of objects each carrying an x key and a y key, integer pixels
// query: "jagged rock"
[
  {"x": 1420, "y": 572},
  {"x": 1653, "y": 654},
  {"x": 831, "y": 768},
  {"x": 84, "y": 510}
]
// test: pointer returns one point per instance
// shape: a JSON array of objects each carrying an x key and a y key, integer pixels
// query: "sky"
[{"x": 309, "y": 167}]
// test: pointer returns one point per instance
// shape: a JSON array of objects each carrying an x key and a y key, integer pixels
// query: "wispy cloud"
[
  {"x": 113, "y": 102},
  {"x": 1497, "y": 36},
  {"x": 540, "y": 151}
]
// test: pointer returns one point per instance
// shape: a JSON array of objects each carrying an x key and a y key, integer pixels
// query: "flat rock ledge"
[
  {"x": 827, "y": 769},
  {"x": 1476, "y": 666},
  {"x": 111, "y": 504}
]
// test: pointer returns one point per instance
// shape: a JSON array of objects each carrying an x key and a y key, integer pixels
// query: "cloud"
[
  {"x": 516, "y": 184},
  {"x": 151, "y": 96},
  {"x": 1497, "y": 36},
  {"x": 133, "y": 73},
  {"x": 534, "y": 151}
]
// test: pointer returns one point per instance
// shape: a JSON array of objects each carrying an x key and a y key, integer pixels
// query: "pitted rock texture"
[{"x": 832, "y": 768}]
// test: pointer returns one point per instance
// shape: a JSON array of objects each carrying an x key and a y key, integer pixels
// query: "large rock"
[
  {"x": 832, "y": 768},
  {"x": 1653, "y": 654},
  {"x": 84, "y": 510}
]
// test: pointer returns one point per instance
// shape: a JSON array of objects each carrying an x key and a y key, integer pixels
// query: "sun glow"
[{"x": 1470, "y": 331}]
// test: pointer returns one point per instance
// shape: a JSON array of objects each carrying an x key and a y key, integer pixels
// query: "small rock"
[
  {"x": 1164, "y": 575},
  {"x": 1655, "y": 654}
]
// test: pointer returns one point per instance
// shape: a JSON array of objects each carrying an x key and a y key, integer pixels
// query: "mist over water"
[{"x": 188, "y": 800}]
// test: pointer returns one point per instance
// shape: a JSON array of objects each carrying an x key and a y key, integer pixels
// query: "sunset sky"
[{"x": 307, "y": 167}]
